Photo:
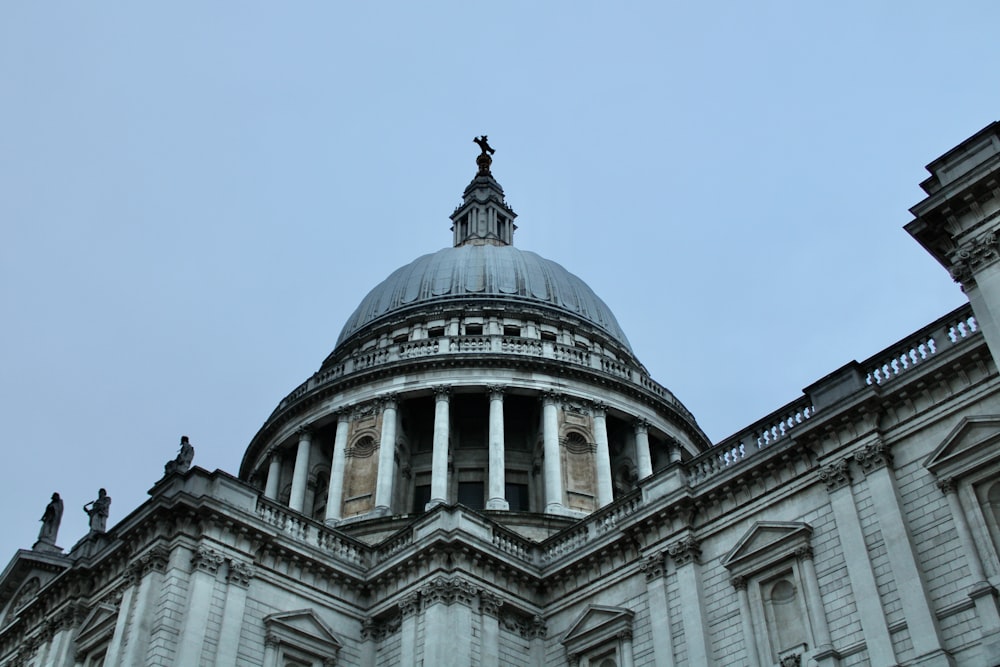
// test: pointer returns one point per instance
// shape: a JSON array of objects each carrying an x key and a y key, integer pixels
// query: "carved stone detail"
[
  {"x": 537, "y": 629},
  {"x": 653, "y": 566},
  {"x": 442, "y": 392},
  {"x": 369, "y": 628},
  {"x": 793, "y": 660},
  {"x": 496, "y": 391},
  {"x": 240, "y": 573},
  {"x": 835, "y": 475},
  {"x": 272, "y": 640},
  {"x": 947, "y": 485},
  {"x": 975, "y": 254},
  {"x": 685, "y": 551},
  {"x": 490, "y": 604},
  {"x": 805, "y": 552},
  {"x": 409, "y": 605},
  {"x": 207, "y": 560},
  {"x": 739, "y": 582},
  {"x": 873, "y": 456},
  {"x": 154, "y": 560}
]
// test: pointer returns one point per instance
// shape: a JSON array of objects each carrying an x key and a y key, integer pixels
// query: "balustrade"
[
  {"x": 953, "y": 329},
  {"x": 310, "y": 532}
]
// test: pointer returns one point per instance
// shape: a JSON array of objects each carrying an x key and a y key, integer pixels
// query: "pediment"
[
  {"x": 596, "y": 625},
  {"x": 26, "y": 574},
  {"x": 304, "y": 629},
  {"x": 972, "y": 443},
  {"x": 766, "y": 542},
  {"x": 97, "y": 627}
]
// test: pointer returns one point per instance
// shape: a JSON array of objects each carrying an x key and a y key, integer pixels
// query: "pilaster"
[
  {"x": 238, "y": 581},
  {"x": 654, "y": 567},
  {"x": 205, "y": 564},
  {"x": 686, "y": 554}
]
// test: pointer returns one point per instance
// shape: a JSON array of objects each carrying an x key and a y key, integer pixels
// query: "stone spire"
[{"x": 484, "y": 217}]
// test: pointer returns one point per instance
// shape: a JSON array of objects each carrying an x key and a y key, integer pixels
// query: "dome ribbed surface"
[{"x": 483, "y": 272}]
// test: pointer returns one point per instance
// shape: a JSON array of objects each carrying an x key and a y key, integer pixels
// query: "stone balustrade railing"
[
  {"x": 310, "y": 532},
  {"x": 953, "y": 329},
  {"x": 758, "y": 436},
  {"x": 514, "y": 345}
]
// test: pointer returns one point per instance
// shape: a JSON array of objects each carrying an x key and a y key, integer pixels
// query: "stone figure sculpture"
[
  {"x": 484, "y": 145},
  {"x": 98, "y": 511},
  {"x": 51, "y": 519},
  {"x": 184, "y": 458}
]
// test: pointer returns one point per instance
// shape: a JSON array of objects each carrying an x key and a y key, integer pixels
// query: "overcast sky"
[{"x": 195, "y": 196}]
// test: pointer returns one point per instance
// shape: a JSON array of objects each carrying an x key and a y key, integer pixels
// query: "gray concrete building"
[{"x": 481, "y": 472}]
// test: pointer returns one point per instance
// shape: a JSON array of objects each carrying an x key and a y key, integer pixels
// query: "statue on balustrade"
[
  {"x": 184, "y": 458},
  {"x": 98, "y": 511},
  {"x": 51, "y": 519}
]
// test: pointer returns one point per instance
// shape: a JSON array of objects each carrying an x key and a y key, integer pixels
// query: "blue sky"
[{"x": 196, "y": 196}]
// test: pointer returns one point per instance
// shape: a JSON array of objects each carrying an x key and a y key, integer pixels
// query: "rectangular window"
[
  {"x": 510, "y": 330},
  {"x": 517, "y": 497},
  {"x": 421, "y": 496},
  {"x": 473, "y": 329},
  {"x": 435, "y": 332},
  {"x": 472, "y": 495},
  {"x": 548, "y": 335}
]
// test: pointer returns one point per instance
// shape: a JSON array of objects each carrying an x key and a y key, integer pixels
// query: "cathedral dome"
[{"x": 483, "y": 273}]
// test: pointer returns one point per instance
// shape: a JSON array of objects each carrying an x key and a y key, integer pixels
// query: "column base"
[
  {"x": 497, "y": 504},
  {"x": 331, "y": 522},
  {"x": 434, "y": 502},
  {"x": 555, "y": 508},
  {"x": 380, "y": 511}
]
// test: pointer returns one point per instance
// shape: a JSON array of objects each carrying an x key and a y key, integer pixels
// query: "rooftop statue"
[
  {"x": 98, "y": 511},
  {"x": 184, "y": 458},
  {"x": 51, "y": 519}
]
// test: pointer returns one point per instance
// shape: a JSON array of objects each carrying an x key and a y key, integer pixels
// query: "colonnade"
[{"x": 496, "y": 473}]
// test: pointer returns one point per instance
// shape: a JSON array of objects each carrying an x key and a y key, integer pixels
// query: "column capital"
[
  {"x": 304, "y": 432},
  {"x": 240, "y": 573},
  {"x": 207, "y": 560},
  {"x": 835, "y": 475},
  {"x": 442, "y": 392},
  {"x": 489, "y": 604},
  {"x": 388, "y": 401},
  {"x": 344, "y": 413},
  {"x": 873, "y": 457},
  {"x": 640, "y": 425},
  {"x": 685, "y": 550},
  {"x": 599, "y": 409},
  {"x": 972, "y": 256},
  {"x": 653, "y": 566},
  {"x": 739, "y": 582},
  {"x": 496, "y": 391},
  {"x": 804, "y": 552},
  {"x": 551, "y": 398},
  {"x": 409, "y": 605}
]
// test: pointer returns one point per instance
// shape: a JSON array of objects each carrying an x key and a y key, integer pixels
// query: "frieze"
[
  {"x": 873, "y": 457},
  {"x": 685, "y": 551},
  {"x": 835, "y": 475}
]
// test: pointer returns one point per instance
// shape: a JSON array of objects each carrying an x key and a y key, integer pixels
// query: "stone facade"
[{"x": 482, "y": 473}]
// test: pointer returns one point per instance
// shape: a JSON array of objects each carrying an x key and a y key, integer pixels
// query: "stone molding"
[
  {"x": 835, "y": 475},
  {"x": 685, "y": 550},
  {"x": 207, "y": 560},
  {"x": 873, "y": 457}
]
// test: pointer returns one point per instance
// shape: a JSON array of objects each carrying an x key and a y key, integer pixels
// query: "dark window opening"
[
  {"x": 517, "y": 497},
  {"x": 400, "y": 338},
  {"x": 548, "y": 335},
  {"x": 471, "y": 494},
  {"x": 435, "y": 332},
  {"x": 473, "y": 329},
  {"x": 509, "y": 330},
  {"x": 421, "y": 496}
]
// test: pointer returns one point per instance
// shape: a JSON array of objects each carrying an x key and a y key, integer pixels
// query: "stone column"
[
  {"x": 238, "y": 578},
  {"x": 643, "y": 460},
  {"x": 821, "y": 629},
  {"x": 980, "y": 590},
  {"x": 335, "y": 492},
  {"x": 300, "y": 475},
  {"x": 625, "y": 638},
  {"x": 837, "y": 478},
  {"x": 553, "y": 462},
  {"x": 271, "y": 488},
  {"x": 876, "y": 461},
  {"x": 409, "y": 606},
  {"x": 205, "y": 565},
  {"x": 746, "y": 622},
  {"x": 386, "y": 458},
  {"x": 439, "y": 456},
  {"x": 489, "y": 608},
  {"x": 497, "y": 488},
  {"x": 655, "y": 570},
  {"x": 605, "y": 489},
  {"x": 150, "y": 567},
  {"x": 686, "y": 554},
  {"x": 271, "y": 645}
]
